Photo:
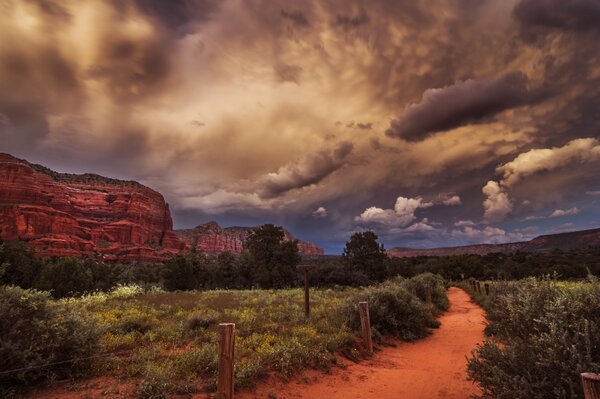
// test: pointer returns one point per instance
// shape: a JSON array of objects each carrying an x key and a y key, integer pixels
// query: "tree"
[
  {"x": 365, "y": 254},
  {"x": 65, "y": 277},
  {"x": 20, "y": 264},
  {"x": 273, "y": 258},
  {"x": 226, "y": 270},
  {"x": 181, "y": 273}
]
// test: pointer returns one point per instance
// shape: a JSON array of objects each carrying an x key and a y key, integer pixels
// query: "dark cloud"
[
  {"x": 307, "y": 171},
  {"x": 364, "y": 126},
  {"x": 52, "y": 9},
  {"x": 132, "y": 68},
  {"x": 351, "y": 22},
  {"x": 177, "y": 15},
  {"x": 297, "y": 17},
  {"x": 577, "y": 15},
  {"x": 288, "y": 73},
  {"x": 463, "y": 103}
]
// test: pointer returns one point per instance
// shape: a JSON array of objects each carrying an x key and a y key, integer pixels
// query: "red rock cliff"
[
  {"x": 63, "y": 214},
  {"x": 212, "y": 238}
]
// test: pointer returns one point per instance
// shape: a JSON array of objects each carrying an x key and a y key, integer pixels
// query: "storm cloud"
[
  {"x": 471, "y": 101},
  {"x": 229, "y": 109}
]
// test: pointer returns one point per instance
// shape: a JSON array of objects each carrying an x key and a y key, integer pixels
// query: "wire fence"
[{"x": 107, "y": 354}]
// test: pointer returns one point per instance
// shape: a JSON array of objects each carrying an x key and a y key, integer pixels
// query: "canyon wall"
[{"x": 62, "y": 214}]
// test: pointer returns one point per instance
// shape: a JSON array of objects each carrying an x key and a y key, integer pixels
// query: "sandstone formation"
[
  {"x": 90, "y": 215},
  {"x": 74, "y": 215},
  {"x": 212, "y": 238},
  {"x": 562, "y": 241}
]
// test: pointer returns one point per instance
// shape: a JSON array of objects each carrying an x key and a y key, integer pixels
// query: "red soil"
[{"x": 430, "y": 368}]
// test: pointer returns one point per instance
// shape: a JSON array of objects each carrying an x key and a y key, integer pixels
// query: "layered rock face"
[
  {"x": 73, "y": 215},
  {"x": 63, "y": 214},
  {"x": 213, "y": 239}
]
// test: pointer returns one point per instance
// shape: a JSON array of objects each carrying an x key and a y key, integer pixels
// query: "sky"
[{"x": 432, "y": 123}]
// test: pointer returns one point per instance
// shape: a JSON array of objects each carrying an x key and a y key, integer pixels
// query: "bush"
[
  {"x": 35, "y": 331},
  {"x": 393, "y": 311},
  {"x": 438, "y": 289},
  {"x": 550, "y": 333}
]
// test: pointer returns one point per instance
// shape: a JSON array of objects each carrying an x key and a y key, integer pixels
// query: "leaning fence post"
[
  {"x": 428, "y": 294},
  {"x": 226, "y": 352},
  {"x": 365, "y": 324},
  {"x": 487, "y": 288},
  {"x": 591, "y": 385}
]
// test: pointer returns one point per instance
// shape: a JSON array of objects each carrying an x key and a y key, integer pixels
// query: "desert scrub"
[
  {"x": 36, "y": 330},
  {"x": 550, "y": 333},
  {"x": 438, "y": 289},
  {"x": 168, "y": 340},
  {"x": 394, "y": 310}
]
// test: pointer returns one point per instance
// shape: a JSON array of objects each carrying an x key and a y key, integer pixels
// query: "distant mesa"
[
  {"x": 545, "y": 243},
  {"x": 62, "y": 214}
]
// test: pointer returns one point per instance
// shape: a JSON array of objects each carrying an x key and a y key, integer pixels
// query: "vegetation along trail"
[{"x": 430, "y": 368}]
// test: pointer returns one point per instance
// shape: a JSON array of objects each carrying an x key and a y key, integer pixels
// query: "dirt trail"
[{"x": 430, "y": 368}]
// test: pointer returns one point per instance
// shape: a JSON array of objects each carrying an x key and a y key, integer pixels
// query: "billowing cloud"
[
  {"x": 402, "y": 214},
  {"x": 471, "y": 101},
  {"x": 320, "y": 213},
  {"x": 464, "y": 223},
  {"x": 565, "y": 212},
  {"x": 577, "y": 15},
  {"x": 487, "y": 235},
  {"x": 305, "y": 172},
  {"x": 452, "y": 201},
  {"x": 579, "y": 151},
  {"x": 497, "y": 204},
  {"x": 229, "y": 108}
]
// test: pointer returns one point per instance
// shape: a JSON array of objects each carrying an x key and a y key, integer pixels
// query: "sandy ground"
[{"x": 430, "y": 368}]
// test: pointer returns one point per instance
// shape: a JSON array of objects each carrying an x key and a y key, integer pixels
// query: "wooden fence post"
[
  {"x": 226, "y": 352},
  {"x": 428, "y": 294},
  {"x": 305, "y": 269},
  {"x": 591, "y": 385},
  {"x": 478, "y": 286},
  {"x": 306, "y": 295},
  {"x": 413, "y": 290},
  {"x": 487, "y": 289},
  {"x": 365, "y": 324}
]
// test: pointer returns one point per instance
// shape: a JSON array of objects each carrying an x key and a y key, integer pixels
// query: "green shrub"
[
  {"x": 550, "y": 334},
  {"x": 438, "y": 289},
  {"x": 201, "y": 320},
  {"x": 35, "y": 331},
  {"x": 393, "y": 311}
]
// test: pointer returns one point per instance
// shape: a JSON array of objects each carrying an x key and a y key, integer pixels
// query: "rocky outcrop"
[
  {"x": 62, "y": 214},
  {"x": 562, "y": 241},
  {"x": 212, "y": 238},
  {"x": 74, "y": 215}
]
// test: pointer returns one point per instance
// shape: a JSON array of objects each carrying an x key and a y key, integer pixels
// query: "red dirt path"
[{"x": 431, "y": 368}]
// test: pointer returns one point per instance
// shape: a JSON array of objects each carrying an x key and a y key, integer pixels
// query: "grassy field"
[
  {"x": 166, "y": 343},
  {"x": 172, "y": 336}
]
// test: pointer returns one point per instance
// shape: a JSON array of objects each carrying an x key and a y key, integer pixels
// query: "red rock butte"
[
  {"x": 213, "y": 239},
  {"x": 61, "y": 214}
]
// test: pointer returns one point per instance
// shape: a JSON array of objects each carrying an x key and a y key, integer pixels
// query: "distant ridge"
[{"x": 544, "y": 243}]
